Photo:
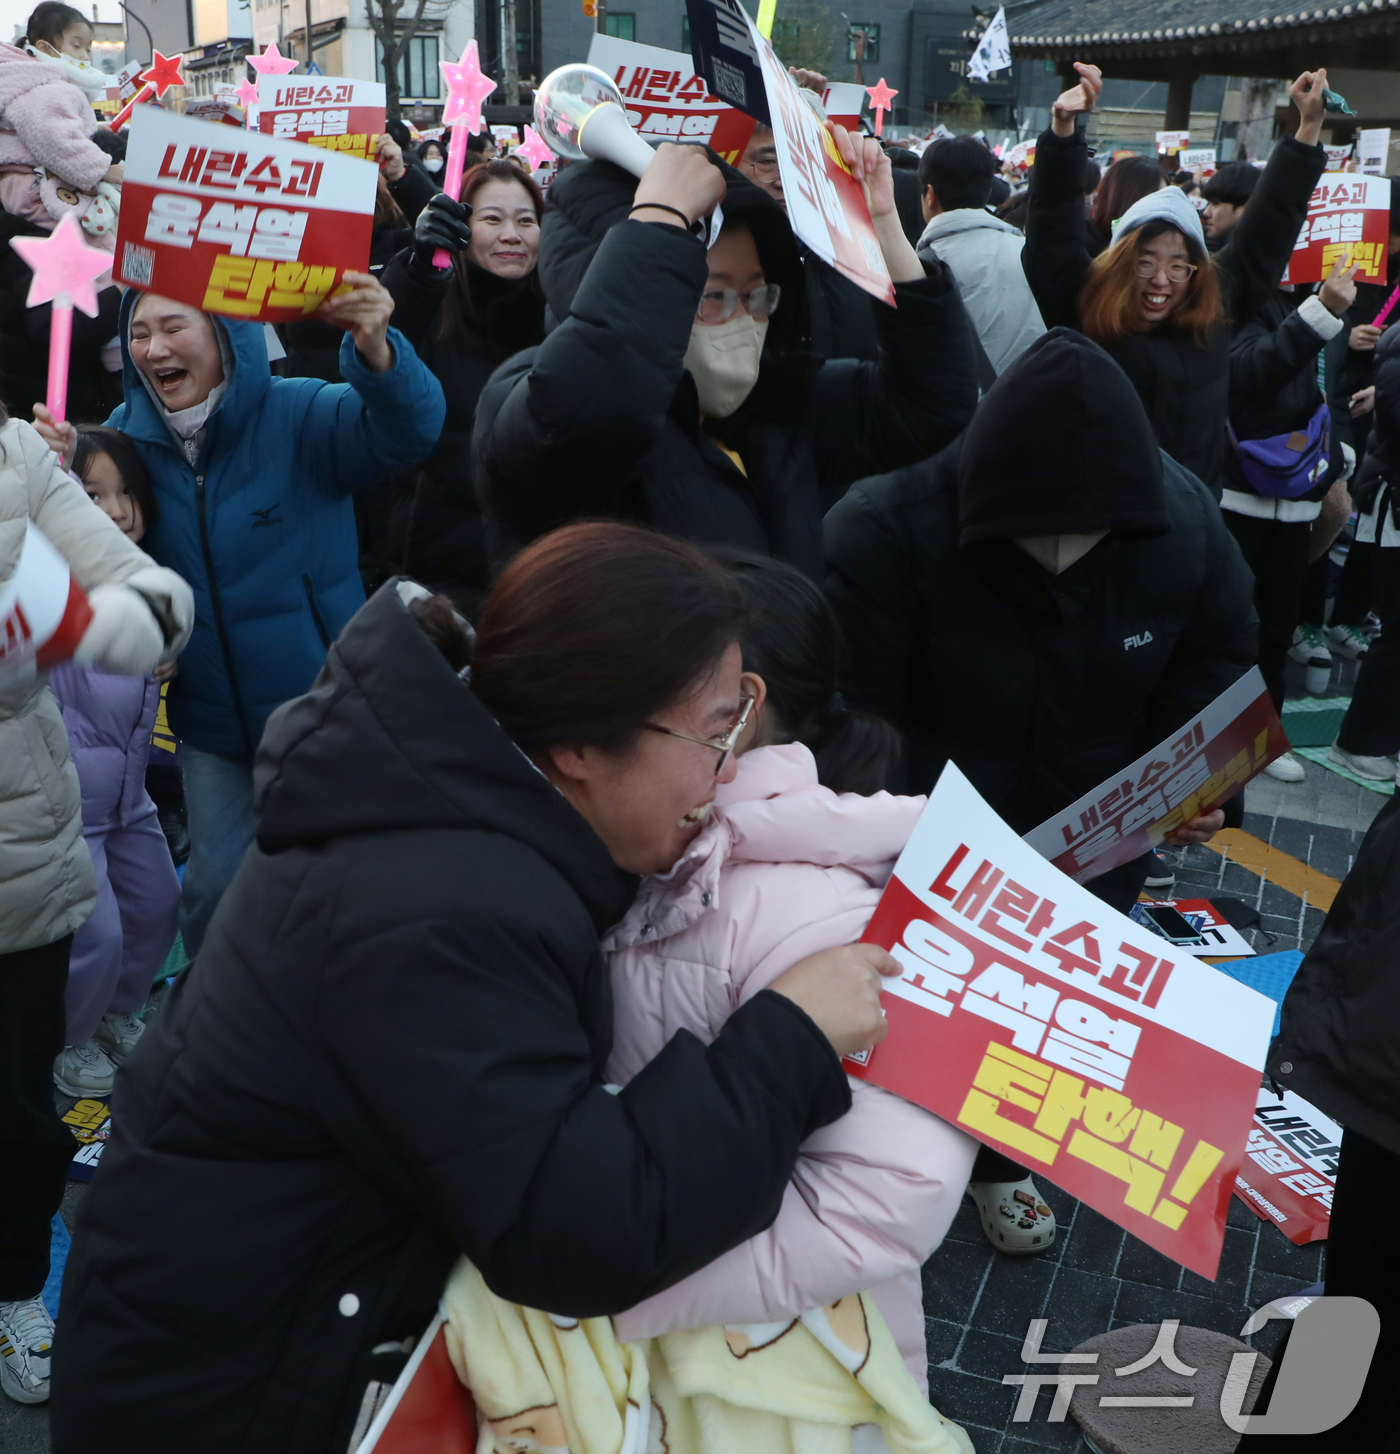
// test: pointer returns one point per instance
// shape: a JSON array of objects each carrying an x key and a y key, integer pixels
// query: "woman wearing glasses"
[
  {"x": 675, "y": 390},
  {"x": 1162, "y": 306},
  {"x": 391, "y": 1051},
  {"x": 794, "y": 858}
]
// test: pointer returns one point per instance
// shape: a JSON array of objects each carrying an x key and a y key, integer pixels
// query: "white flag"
[{"x": 993, "y": 51}]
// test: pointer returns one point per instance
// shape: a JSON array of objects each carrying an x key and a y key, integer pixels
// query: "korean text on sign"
[
  {"x": 1196, "y": 769},
  {"x": 826, "y": 205},
  {"x": 246, "y": 225},
  {"x": 1064, "y": 1034},
  {"x": 666, "y": 99},
  {"x": 325, "y": 111},
  {"x": 1289, "y": 1171},
  {"x": 1348, "y": 218}
]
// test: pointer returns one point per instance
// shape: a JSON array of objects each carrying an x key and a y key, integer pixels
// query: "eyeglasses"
[
  {"x": 717, "y": 305},
  {"x": 723, "y": 745},
  {"x": 1147, "y": 266},
  {"x": 764, "y": 165}
]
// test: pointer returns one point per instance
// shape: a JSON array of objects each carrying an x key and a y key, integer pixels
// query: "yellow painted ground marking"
[{"x": 1276, "y": 867}]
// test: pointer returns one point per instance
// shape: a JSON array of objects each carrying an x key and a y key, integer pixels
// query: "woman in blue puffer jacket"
[{"x": 253, "y": 477}]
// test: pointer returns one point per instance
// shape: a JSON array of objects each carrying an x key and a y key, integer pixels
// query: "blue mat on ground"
[
  {"x": 59, "y": 1243},
  {"x": 1270, "y": 974}
]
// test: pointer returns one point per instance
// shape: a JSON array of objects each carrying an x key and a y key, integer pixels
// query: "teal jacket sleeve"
[{"x": 354, "y": 434}]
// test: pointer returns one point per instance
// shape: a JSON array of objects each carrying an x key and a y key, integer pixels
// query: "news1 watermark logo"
[{"x": 1324, "y": 1371}]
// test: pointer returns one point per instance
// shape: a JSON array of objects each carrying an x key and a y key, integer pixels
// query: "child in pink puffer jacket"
[
  {"x": 787, "y": 866},
  {"x": 49, "y": 164}
]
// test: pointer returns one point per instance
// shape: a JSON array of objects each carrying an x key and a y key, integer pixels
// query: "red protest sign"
[
  {"x": 826, "y": 205},
  {"x": 240, "y": 224},
  {"x": 843, "y": 101},
  {"x": 427, "y": 1408},
  {"x": 1195, "y": 770},
  {"x": 667, "y": 100},
  {"x": 1289, "y": 1172},
  {"x": 1063, "y": 1034},
  {"x": 325, "y": 111},
  {"x": 1348, "y": 218}
]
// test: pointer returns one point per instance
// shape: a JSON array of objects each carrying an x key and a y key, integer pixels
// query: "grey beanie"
[{"x": 1168, "y": 204}]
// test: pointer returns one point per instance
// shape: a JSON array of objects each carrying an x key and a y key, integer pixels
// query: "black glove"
[{"x": 441, "y": 224}]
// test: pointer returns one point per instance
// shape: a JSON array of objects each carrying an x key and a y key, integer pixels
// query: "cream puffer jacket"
[
  {"x": 785, "y": 867},
  {"x": 47, "y": 887}
]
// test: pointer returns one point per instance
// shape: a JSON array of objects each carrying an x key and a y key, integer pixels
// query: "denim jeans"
[{"x": 219, "y": 801}]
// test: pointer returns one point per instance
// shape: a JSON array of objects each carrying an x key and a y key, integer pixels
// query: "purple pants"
[{"x": 117, "y": 952}]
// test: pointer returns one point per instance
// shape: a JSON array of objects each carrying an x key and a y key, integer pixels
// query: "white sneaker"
[
  {"x": 1014, "y": 1215},
  {"x": 26, "y": 1336},
  {"x": 1349, "y": 642},
  {"x": 84, "y": 1070},
  {"x": 1287, "y": 769},
  {"x": 1310, "y": 647},
  {"x": 1376, "y": 769},
  {"x": 117, "y": 1035}
]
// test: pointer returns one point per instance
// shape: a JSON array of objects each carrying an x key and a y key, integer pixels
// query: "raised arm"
[
  {"x": 1261, "y": 242},
  {"x": 389, "y": 412},
  {"x": 1055, "y": 259},
  {"x": 1264, "y": 360},
  {"x": 411, "y": 279},
  {"x": 558, "y": 437}
]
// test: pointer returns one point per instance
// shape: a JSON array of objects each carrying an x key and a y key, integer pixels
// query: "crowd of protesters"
[{"x": 520, "y": 899}]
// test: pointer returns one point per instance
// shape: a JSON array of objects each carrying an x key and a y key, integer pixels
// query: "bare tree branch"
[{"x": 383, "y": 17}]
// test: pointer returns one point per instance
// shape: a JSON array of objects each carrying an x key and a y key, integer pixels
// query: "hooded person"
[
  {"x": 1080, "y": 604},
  {"x": 1040, "y": 621},
  {"x": 674, "y": 389},
  {"x": 1162, "y": 305},
  {"x": 253, "y": 477}
]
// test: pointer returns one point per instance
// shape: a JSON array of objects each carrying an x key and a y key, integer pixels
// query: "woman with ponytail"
[{"x": 792, "y": 858}]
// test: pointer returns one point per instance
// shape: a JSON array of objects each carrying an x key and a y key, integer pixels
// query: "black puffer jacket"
[
  {"x": 1341, "y": 1017},
  {"x": 603, "y": 419},
  {"x": 444, "y": 539},
  {"x": 1184, "y": 387},
  {"x": 1273, "y": 377},
  {"x": 1039, "y": 686},
  {"x": 390, "y": 1052}
]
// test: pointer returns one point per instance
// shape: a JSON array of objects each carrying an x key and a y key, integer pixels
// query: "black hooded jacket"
[
  {"x": 443, "y": 541},
  {"x": 603, "y": 419},
  {"x": 1184, "y": 386},
  {"x": 1039, "y": 686},
  {"x": 391, "y": 1051},
  {"x": 1336, "y": 1045}
]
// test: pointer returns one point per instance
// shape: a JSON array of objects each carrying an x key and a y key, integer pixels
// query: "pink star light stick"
[
  {"x": 65, "y": 268},
  {"x": 467, "y": 87},
  {"x": 248, "y": 99},
  {"x": 272, "y": 63},
  {"x": 880, "y": 98},
  {"x": 535, "y": 149}
]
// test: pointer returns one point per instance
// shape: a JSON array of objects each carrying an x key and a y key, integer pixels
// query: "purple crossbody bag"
[{"x": 1286, "y": 466}]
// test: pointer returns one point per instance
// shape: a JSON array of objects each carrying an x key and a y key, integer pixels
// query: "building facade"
[{"x": 215, "y": 37}]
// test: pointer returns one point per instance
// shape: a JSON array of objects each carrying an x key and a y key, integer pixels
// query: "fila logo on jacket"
[{"x": 1131, "y": 641}]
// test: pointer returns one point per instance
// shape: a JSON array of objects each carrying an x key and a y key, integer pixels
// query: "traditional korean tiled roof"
[{"x": 1186, "y": 26}]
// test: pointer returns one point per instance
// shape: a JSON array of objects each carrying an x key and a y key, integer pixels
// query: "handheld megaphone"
[{"x": 579, "y": 113}]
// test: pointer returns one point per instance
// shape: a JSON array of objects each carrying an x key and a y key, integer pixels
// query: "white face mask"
[
  {"x": 723, "y": 359},
  {"x": 433, "y": 164}
]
